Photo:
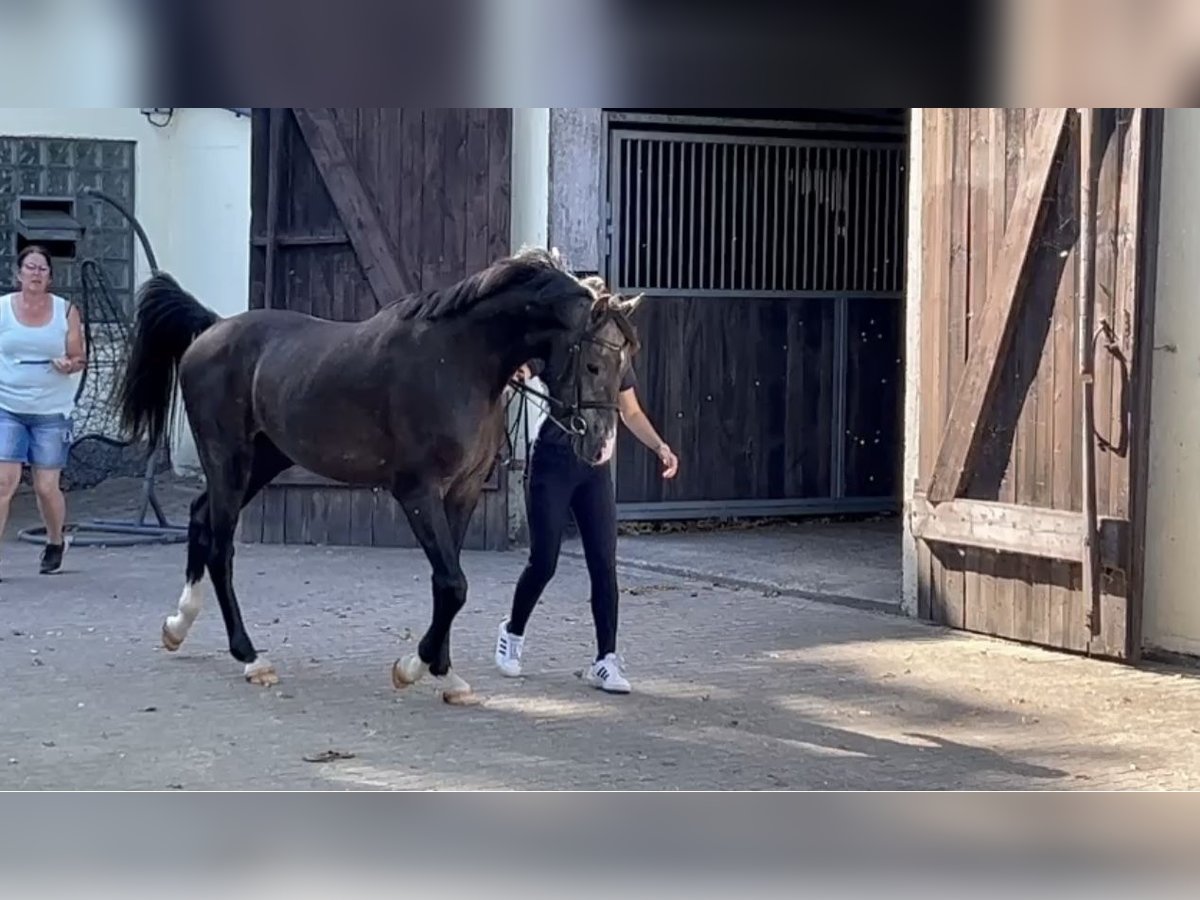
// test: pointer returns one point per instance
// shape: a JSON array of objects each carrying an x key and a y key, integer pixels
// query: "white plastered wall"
[
  {"x": 1171, "y": 597},
  {"x": 192, "y": 195},
  {"x": 529, "y": 226}
]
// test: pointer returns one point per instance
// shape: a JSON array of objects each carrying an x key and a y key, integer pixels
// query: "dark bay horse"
[{"x": 410, "y": 400}]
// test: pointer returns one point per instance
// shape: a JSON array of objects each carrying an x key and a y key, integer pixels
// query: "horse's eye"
[{"x": 593, "y": 368}]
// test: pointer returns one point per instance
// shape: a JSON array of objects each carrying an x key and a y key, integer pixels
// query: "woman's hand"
[
  {"x": 669, "y": 460},
  {"x": 64, "y": 365}
]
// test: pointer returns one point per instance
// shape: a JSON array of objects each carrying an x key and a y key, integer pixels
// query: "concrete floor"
[
  {"x": 735, "y": 687},
  {"x": 853, "y": 563}
]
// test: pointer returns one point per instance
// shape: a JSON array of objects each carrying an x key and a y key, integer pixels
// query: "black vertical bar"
[
  {"x": 658, "y": 230},
  {"x": 844, "y": 215},
  {"x": 691, "y": 264},
  {"x": 777, "y": 235},
  {"x": 642, "y": 211},
  {"x": 671, "y": 250},
  {"x": 745, "y": 204},
  {"x": 877, "y": 220},
  {"x": 826, "y": 236},
  {"x": 860, "y": 245},
  {"x": 763, "y": 240},
  {"x": 841, "y": 338},
  {"x": 625, "y": 156},
  {"x": 707, "y": 226},
  {"x": 810, "y": 229},
  {"x": 889, "y": 222},
  {"x": 754, "y": 168},
  {"x": 726, "y": 214},
  {"x": 785, "y": 231},
  {"x": 798, "y": 220}
]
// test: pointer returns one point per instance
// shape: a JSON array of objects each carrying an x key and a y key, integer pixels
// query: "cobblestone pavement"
[{"x": 733, "y": 689}]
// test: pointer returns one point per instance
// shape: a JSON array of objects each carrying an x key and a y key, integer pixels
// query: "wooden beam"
[
  {"x": 301, "y": 240},
  {"x": 1138, "y": 300},
  {"x": 298, "y": 476},
  {"x": 1008, "y": 528},
  {"x": 1085, "y": 297},
  {"x": 993, "y": 329},
  {"x": 384, "y": 268},
  {"x": 274, "y": 161}
]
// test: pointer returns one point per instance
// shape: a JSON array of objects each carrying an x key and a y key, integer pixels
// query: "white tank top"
[{"x": 28, "y": 383}]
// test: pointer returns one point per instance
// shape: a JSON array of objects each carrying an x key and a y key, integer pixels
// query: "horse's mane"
[{"x": 534, "y": 268}]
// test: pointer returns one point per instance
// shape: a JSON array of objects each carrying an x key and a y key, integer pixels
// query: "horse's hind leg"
[
  {"x": 427, "y": 515},
  {"x": 211, "y": 533},
  {"x": 175, "y": 629},
  {"x": 240, "y": 484}
]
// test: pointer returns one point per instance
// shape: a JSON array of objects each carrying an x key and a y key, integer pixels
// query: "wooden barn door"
[
  {"x": 1001, "y": 512},
  {"x": 352, "y": 207}
]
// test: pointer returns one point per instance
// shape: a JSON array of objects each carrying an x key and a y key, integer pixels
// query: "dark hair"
[{"x": 30, "y": 250}]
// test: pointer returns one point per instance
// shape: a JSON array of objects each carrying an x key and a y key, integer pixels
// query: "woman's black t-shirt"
[{"x": 551, "y": 433}]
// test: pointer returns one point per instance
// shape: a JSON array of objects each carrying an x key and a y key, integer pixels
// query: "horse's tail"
[{"x": 168, "y": 320}]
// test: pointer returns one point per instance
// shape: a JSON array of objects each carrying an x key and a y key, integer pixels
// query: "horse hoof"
[
  {"x": 262, "y": 673},
  {"x": 169, "y": 641},
  {"x": 456, "y": 691},
  {"x": 408, "y": 670}
]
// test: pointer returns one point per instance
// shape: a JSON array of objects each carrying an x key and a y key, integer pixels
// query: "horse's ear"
[{"x": 631, "y": 304}]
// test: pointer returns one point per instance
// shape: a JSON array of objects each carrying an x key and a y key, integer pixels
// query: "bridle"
[{"x": 568, "y": 415}]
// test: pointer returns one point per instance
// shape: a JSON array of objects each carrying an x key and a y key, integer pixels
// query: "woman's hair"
[{"x": 38, "y": 249}]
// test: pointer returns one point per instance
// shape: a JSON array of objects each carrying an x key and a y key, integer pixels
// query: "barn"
[{"x": 849, "y": 311}]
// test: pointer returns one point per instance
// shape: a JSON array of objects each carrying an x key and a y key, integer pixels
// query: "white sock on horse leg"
[{"x": 191, "y": 601}]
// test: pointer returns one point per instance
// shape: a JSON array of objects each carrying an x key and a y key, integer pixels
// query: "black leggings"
[{"x": 560, "y": 483}]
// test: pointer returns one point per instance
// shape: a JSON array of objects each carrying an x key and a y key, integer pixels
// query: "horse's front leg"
[{"x": 426, "y": 512}]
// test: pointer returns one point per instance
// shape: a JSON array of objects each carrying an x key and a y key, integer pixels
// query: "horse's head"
[{"x": 588, "y": 368}]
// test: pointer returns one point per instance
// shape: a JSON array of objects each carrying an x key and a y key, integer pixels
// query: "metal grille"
[
  {"x": 59, "y": 167},
  {"x": 695, "y": 214}
]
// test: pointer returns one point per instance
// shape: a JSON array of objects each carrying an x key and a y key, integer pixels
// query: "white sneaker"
[
  {"x": 605, "y": 674},
  {"x": 508, "y": 651}
]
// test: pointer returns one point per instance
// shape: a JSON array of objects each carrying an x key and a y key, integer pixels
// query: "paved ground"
[
  {"x": 734, "y": 689},
  {"x": 855, "y": 563}
]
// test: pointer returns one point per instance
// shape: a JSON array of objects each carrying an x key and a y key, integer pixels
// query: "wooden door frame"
[{"x": 934, "y": 511}]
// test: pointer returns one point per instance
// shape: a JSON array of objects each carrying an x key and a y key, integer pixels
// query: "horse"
[{"x": 410, "y": 400}]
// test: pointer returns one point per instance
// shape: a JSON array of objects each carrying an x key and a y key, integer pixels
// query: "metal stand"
[{"x": 162, "y": 533}]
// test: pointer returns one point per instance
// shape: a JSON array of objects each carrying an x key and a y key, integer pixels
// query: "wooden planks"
[
  {"x": 384, "y": 269},
  {"x": 274, "y": 140},
  {"x": 1021, "y": 575},
  {"x": 978, "y": 386},
  {"x": 757, "y": 425},
  {"x": 1009, "y": 528},
  {"x": 392, "y": 200},
  {"x": 357, "y": 517}
]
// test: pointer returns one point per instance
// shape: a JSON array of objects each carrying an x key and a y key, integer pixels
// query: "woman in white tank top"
[{"x": 42, "y": 354}]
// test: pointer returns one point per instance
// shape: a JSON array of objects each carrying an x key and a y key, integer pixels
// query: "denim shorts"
[{"x": 42, "y": 441}]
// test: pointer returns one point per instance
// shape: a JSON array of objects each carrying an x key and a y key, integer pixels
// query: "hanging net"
[{"x": 98, "y": 450}]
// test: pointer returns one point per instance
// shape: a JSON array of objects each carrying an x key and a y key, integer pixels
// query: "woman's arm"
[
  {"x": 639, "y": 426},
  {"x": 76, "y": 356}
]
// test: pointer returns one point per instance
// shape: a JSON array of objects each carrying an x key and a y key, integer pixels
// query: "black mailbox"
[{"x": 49, "y": 221}]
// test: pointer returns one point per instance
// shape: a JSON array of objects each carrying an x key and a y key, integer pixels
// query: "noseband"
[{"x": 569, "y": 415}]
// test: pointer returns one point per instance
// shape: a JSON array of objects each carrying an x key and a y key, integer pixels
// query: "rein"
[{"x": 568, "y": 416}]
